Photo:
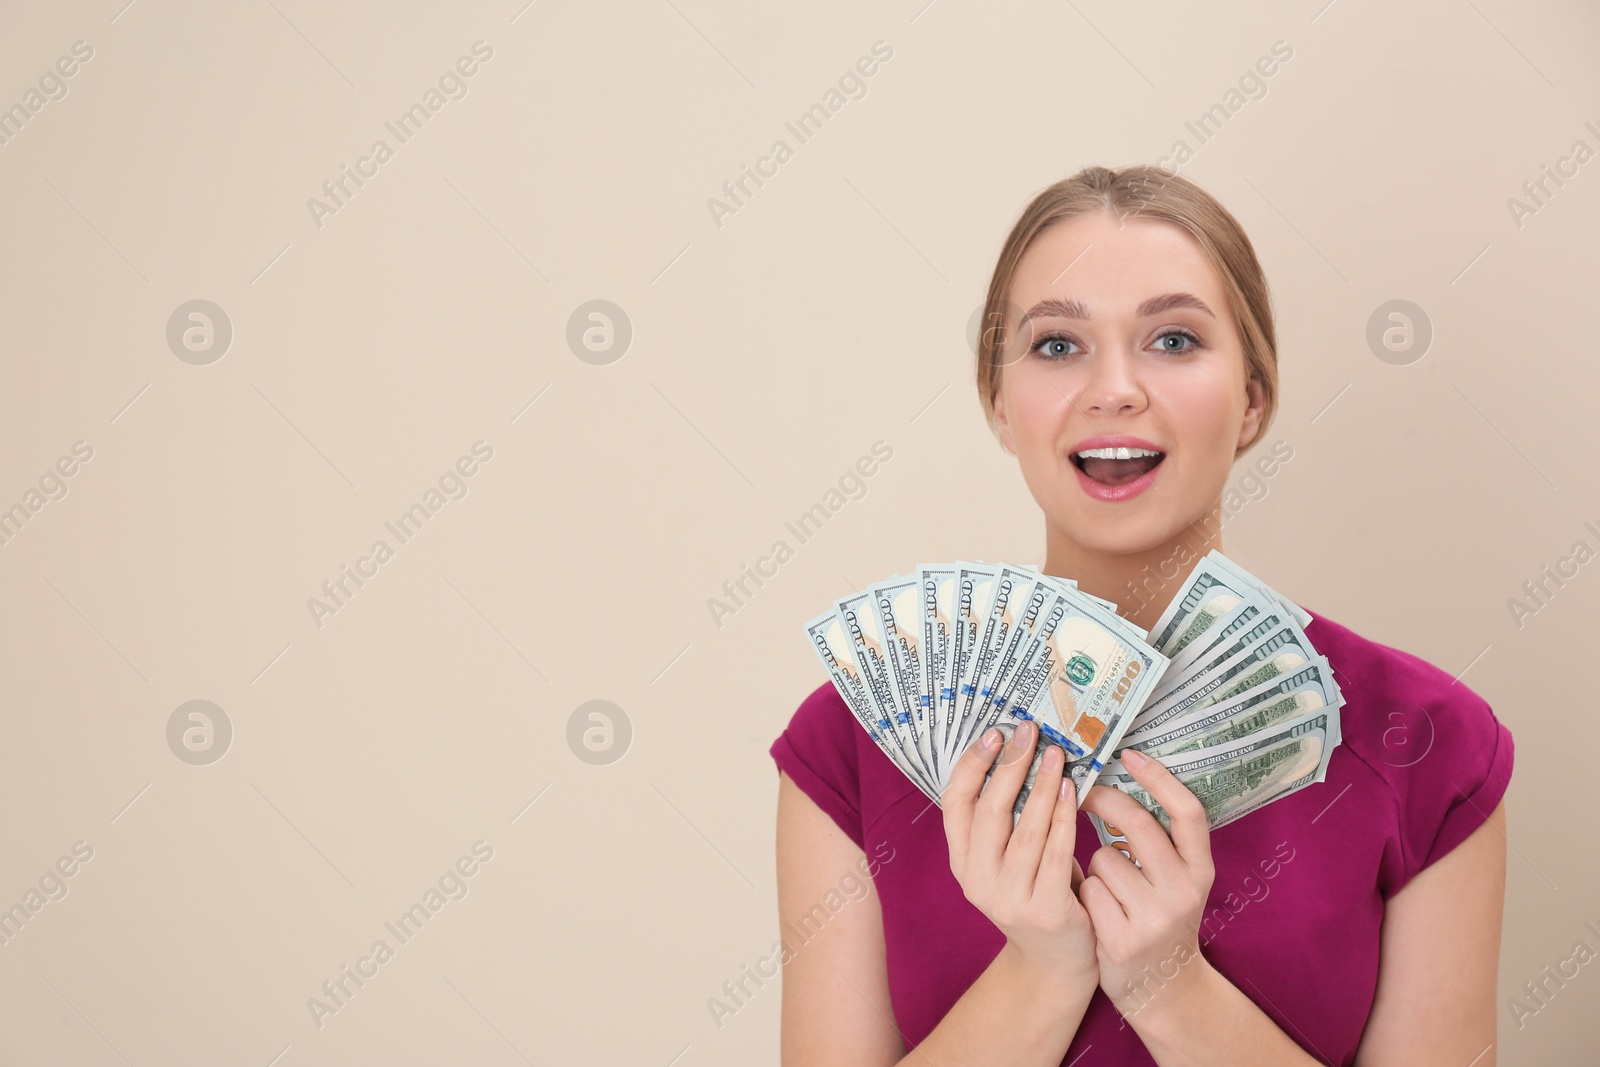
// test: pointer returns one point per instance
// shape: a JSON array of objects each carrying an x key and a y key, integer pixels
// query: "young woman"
[{"x": 1356, "y": 921}]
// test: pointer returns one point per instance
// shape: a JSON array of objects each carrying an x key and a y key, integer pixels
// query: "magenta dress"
[{"x": 1295, "y": 911}]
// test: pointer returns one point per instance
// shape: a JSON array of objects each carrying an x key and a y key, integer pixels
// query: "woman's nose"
[{"x": 1113, "y": 385}]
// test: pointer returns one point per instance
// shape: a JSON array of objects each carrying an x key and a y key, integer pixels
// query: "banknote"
[
  {"x": 1236, "y": 778},
  {"x": 972, "y": 592},
  {"x": 936, "y": 601},
  {"x": 1225, "y": 689},
  {"x": 867, "y": 644},
  {"x": 897, "y": 601},
  {"x": 1008, "y": 591},
  {"x": 1214, "y": 589},
  {"x": 1307, "y": 689},
  {"x": 1222, "y": 617},
  {"x": 1017, "y": 644},
  {"x": 833, "y": 646},
  {"x": 1206, "y": 598},
  {"x": 1082, "y": 685},
  {"x": 1225, "y": 565},
  {"x": 1272, "y": 647}
]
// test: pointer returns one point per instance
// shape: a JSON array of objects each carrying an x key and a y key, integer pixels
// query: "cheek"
[
  {"x": 1206, "y": 415},
  {"x": 1036, "y": 409}
]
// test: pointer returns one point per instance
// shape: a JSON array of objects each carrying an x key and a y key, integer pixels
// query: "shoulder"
[
  {"x": 1401, "y": 708},
  {"x": 824, "y": 720},
  {"x": 818, "y": 750},
  {"x": 1436, "y": 744}
]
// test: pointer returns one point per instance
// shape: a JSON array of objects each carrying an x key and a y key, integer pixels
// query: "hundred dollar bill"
[
  {"x": 1081, "y": 686},
  {"x": 1221, "y": 616},
  {"x": 1275, "y": 646},
  {"x": 973, "y": 591},
  {"x": 1307, "y": 689},
  {"x": 1213, "y": 588},
  {"x": 1232, "y": 780},
  {"x": 1211, "y": 632},
  {"x": 1016, "y": 644},
  {"x": 1225, "y": 565},
  {"x": 1106, "y": 611},
  {"x": 828, "y": 639},
  {"x": 1022, "y": 642},
  {"x": 936, "y": 602},
  {"x": 1206, "y": 597},
  {"x": 867, "y": 643},
  {"x": 1182, "y": 672},
  {"x": 1009, "y": 591},
  {"x": 897, "y": 601}
]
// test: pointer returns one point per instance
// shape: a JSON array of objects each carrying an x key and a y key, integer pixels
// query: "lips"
[{"x": 1116, "y": 467}]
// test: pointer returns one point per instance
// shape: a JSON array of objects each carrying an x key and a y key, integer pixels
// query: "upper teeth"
[{"x": 1116, "y": 453}]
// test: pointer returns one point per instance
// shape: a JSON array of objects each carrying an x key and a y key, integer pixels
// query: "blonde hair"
[{"x": 1151, "y": 193}]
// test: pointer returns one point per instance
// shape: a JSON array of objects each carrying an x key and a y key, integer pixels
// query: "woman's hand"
[
  {"x": 1022, "y": 878},
  {"x": 1147, "y": 918}
]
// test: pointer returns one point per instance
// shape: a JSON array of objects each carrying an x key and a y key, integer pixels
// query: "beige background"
[{"x": 829, "y": 312}]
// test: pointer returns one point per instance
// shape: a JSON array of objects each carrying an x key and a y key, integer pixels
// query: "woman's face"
[{"x": 1107, "y": 339}]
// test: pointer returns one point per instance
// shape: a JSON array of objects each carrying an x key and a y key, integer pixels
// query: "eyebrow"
[{"x": 1076, "y": 309}]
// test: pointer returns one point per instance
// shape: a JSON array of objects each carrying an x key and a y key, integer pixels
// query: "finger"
[
  {"x": 1158, "y": 859},
  {"x": 1059, "y": 872},
  {"x": 961, "y": 793},
  {"x": 1106, "y": 913},
  {"x": 1026, "y": 847},
  {"x": 1191, "y": 827},
  {"x": 992, "y": 821},
  {"x": 1118, "y": 873}
]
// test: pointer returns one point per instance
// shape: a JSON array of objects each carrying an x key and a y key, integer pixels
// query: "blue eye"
[
  {"x": 1051, "y": 346},
  {"x": 1048, "y": 346},
  {"x": 1178, "y": 331}
]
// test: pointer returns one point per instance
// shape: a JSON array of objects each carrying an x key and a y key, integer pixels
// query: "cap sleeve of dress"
[
  {"x": 1448, "y": 760},
  {"x": 818, "y": 751}
]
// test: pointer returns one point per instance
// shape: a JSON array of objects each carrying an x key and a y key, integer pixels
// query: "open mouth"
[{"x": 1117, "y": 466}]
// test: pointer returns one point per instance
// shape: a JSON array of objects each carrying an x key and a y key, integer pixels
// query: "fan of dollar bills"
[{"x": 1226, "y": 691}]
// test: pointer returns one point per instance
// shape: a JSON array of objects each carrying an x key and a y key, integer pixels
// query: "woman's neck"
[{"x": 1141, "y": 583}]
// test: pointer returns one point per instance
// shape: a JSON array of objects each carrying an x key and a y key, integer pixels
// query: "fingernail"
[
  {"x": 989, "y": 738},
  {"x": 1132, "y": 757},
  {"x": 1066, "y": 786}
]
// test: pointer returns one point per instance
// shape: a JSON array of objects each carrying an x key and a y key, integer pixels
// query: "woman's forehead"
[{"x": 1095, "y": 260}]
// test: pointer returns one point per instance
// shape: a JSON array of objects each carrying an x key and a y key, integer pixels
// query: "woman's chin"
[{"x": 1119, "y": 534}]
